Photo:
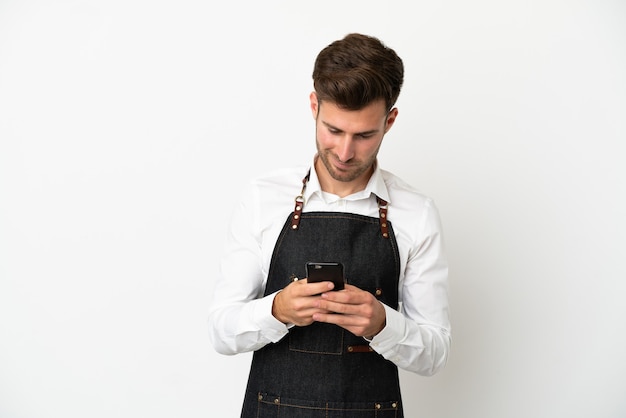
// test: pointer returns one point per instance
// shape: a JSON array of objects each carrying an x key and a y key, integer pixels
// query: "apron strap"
[
  {"x": 382, "y": 211},
  {"x": 297, "y": 211}
]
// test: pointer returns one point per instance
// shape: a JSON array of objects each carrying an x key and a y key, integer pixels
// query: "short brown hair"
[{"x": 355, "y": 71}]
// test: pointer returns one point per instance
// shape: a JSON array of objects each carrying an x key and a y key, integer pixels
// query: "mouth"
[{"x": 343, "y": 166}]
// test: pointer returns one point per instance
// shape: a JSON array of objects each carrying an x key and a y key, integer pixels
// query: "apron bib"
[{"x": 322, "y": 370}]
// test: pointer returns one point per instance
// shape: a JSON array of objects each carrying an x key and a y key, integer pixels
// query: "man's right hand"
[{"x": 295, "y": 304}]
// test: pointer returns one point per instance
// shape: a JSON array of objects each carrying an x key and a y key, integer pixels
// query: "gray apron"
[{"x": 322, "y": 370}]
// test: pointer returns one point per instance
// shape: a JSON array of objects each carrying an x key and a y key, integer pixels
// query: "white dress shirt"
[{"x": 415, "y": 338}]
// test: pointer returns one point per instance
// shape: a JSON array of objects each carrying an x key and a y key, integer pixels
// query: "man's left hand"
[{"x": 353, "y": 309}]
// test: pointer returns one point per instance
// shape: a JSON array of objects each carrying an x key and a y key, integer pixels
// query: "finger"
[
  {"x": 345, "y": 321},
  {"x": 337, "y": 307},
  {"x": 309, "y": 313},
  {"x": 341, "y": 296},
  {"x": 357, "y": 325},
  {"x": 353, "y": 296},
  {"x": 313, "y": 289}
]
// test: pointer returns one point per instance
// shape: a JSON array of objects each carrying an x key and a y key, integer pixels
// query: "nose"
[{"x": 345, "y": 149}]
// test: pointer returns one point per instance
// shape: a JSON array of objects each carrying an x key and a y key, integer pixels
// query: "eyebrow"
[{"x": 370, "y": 132}]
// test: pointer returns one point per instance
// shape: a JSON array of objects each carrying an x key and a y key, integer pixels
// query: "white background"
[{"x": 128, "y": 127}]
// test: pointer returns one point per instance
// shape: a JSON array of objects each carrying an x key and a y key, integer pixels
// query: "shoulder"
[
  {"x": 279, "y": 178},
  {"x": 414, "y": 215},
  {"x": 403, "y": 195},
  {"x": 274, "y": 191}
]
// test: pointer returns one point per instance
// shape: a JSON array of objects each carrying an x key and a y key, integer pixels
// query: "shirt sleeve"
[
  {"x": 417, "y": 337},
  {"x": 240, "y": 317}
]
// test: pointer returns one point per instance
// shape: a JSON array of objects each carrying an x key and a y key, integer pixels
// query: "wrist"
[
  {"x": 379, "y": 329},
  {"x": 276, "y": 311}
]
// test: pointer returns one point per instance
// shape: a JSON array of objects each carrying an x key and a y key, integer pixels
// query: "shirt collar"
[{"x": 376, "y": 185}]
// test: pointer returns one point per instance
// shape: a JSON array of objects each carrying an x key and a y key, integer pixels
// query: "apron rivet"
[
  {"x": 394, "y": 405},
  {"x": 260, "y": 397},
  {"x": 276, "y": 401},
  {"x": 377, "y": 406}
]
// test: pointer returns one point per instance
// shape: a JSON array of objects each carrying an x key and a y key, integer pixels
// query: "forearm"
[{"x": 241, "y": 327}]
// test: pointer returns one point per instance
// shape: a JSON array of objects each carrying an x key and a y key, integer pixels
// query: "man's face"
[{"x": 348, "y": 141}]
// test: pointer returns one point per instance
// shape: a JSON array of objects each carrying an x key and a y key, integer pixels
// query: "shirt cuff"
[{"x": 270, "y": 327}]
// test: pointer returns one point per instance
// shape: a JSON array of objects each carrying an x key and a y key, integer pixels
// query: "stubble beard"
[{"x": 357, "y": 168}]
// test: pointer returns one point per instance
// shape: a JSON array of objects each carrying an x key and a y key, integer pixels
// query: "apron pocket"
[{"x": 318, "y": 338}]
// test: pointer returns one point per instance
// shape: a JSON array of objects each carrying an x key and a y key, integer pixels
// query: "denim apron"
[{"x": 322, "y": 370}]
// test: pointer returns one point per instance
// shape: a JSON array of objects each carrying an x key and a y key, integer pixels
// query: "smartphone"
[{"x": 326, "y": 271}]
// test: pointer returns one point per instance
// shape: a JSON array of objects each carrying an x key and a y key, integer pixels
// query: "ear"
[
  {"x": 391, "y": 118},
  {"x": 314, "y": 104}
]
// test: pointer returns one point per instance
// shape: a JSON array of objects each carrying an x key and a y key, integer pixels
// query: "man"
[{"x": 320, "y": 352}]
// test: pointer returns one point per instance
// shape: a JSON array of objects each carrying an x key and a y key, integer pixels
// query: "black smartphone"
[{"x": 326, "y": 271}]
